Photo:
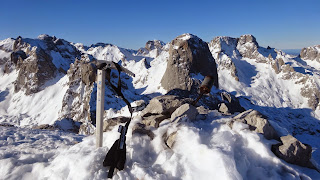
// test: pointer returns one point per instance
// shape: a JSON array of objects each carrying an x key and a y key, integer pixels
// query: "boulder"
[
  {"x": 209, "y": 101},
  {"x": 164, "y": 105},
  {"x": 110, "y": 123},
  {"x": 154, "y": 120},
  {"x": 188, "y": 55},
  {"x": 186, "y": 112},
  {"x": 202, "y": 113},
  {"x": 142, "y": 129},
  {"x": 170, "y": 139},
  {"x": 293, "y": 151},
  {"x": 257, "y": 122},
  {"x": 138, "y": 105},
  {"x": 230, "y": 104}
]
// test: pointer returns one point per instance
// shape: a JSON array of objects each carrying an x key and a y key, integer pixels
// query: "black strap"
[{"x": 116, "y": 157}]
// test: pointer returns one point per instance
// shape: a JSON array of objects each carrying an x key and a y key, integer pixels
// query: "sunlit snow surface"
[{"x": 206, "y": 149}]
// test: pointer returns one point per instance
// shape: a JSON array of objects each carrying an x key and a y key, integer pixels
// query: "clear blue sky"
[{"x": 283, "y": 24}]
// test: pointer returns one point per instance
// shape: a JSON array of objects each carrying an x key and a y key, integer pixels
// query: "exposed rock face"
[
  {"x": 34, "y": 72},
  {"x": 39, "y": 60},
  {"x": 156, "y": 44},
  {"x": 76, "y": 101},
  {"x": 293, "y": 151},
  {"x": 257, "y": 122},
  {"x": 188, "y": 55},
  {"x": 222, "y": 49},
  {"x": 227, "y": 51},
  {"x": 248, "y": 46},
  {"x": 277, "y": 64},
  {"x": 230, "y": 104},
  {"x": 311, "y": 53},
  {"x": 152, "y": 48}
]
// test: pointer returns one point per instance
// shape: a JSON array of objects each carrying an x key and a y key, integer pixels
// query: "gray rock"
[
  {"x": 257, "y": 122},
  {"x": 164, "y": 105},
  {"x": 139, "y": 105},
  {"x": 188, "y": 54},
  {"x": 311, "y": 53},
  {"x": 141, "y": 129},
  {"x": 293, "y": 151},
  {"x": 154, "y": 120},
  {"x": 230, "y": 104},
  {"x": 222, "y": 49},
  {"x": 76, "y": 101},
  {"x": 223, "y": 108},
  {"x": 276, "y": 65},
  {"x": 110, "y": 123},
  {"x": 44, "y": 126},
  {"x": 202, "y": 113},
  {"x": 170, "y": 139},
  {"x": 186, "y": 112},
  {"x": 155, "y": 45},
  {"x": 248, "y": 47},
  {"x": 35, "y": 61}
]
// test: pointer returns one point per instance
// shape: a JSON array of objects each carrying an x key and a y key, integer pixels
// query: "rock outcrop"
[
  {"x": 161, "y": 108},
  {"x": 76, "y": 101},
  {"x": 39, "y": 60},
  {"x": 152, "y": 48},
  {"x": 257, "y": 122},
  {"x": 293, "y": 151},
  {"x": 311, "y": 53},
  {"x": 188, "y": 55}
]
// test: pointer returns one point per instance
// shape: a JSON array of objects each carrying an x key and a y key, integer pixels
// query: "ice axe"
[{"x": 116, "y": 156}]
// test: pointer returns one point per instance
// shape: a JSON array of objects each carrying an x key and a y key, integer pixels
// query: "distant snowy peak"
[
  {"x": 7, "y": 44},
  {"x": 152, "y": 49},
  {"x": 245, "y": 46},
  {"x": 311, "y": 53}
]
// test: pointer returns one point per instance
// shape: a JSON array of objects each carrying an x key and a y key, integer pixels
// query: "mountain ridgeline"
[{"x": 236, "y": 64}]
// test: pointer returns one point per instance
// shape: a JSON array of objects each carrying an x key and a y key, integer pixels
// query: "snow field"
[{"x": 205, "y": 149}]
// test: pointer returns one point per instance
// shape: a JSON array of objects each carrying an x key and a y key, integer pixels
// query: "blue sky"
[{"x": 283, "y": 24}]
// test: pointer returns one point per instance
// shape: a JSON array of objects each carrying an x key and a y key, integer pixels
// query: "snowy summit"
[{"x": 260, "y": 119}]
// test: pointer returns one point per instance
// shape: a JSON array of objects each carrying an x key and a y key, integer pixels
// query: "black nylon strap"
[{"x": 118, "y": 91}]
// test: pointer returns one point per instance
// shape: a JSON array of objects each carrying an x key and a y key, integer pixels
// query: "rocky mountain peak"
[
  {"x": 248, "y": 38},
  {"x": 311, "y": 53},
  {"x": 152, "y": 48},
  {"x": 155, "y": 44}
]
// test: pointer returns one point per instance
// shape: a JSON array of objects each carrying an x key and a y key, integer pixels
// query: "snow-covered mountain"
[{"x": 49, "y": 83}]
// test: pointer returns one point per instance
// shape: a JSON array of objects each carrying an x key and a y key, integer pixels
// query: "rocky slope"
[
  {"x": 233, "y": 53},
  {"x": 311, "y": 53}
]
